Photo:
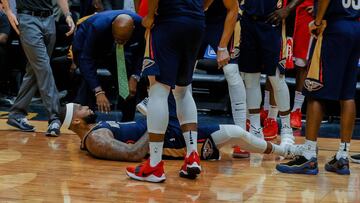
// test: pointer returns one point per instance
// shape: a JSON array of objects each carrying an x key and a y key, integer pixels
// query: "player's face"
[
  {"x": 82, "y": 111},
  {"x": 85, "y": 114}
]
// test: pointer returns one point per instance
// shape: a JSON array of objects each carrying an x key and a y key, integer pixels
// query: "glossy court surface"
[{"x": 35, "y": 168}]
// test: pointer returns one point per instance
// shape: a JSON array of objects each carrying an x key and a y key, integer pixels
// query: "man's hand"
[
  {"x": 71, "y": 25},
  {"x": 132, "y": 86},
  {"x": 103, "y": 103},
  {"x": 314, "y": 28},
  {"x": 277, "y": 16},
  {"x": 222, "y": 57},
  {"x": 148, "y": 22},
  {"x": 13, "y": 21}
]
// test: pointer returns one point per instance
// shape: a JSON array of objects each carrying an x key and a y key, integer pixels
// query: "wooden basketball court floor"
[{"x": 35, "y": 168}]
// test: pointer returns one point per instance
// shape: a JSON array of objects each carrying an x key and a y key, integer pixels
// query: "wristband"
[
  {"x": 136, "y": 77},
  {"x": 67, "y": 14},
  {"x": 222, "y": 49},
  {"x": 99, "y": 92},
  {"x": 317, "y": 25}
]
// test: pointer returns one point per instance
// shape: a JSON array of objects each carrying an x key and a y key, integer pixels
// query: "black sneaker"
[
  {"x": 355, "y": 158},
  {"x": 299, "y": 165},
  {"x": 340, "y": 166},
  {"x": 21, "y": 123},
  {"x": 53, "y": 129}
]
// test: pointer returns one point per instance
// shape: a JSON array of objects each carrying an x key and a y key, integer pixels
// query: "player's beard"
[{"x": 90, "y": 119}]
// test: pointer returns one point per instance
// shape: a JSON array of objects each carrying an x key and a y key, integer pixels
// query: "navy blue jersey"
[
  {"x": 343, "y": 9},
  {"x": 216, "y": 13},
  {"x": 261, "y": 7},
  {"x": 169, "y": 9}
]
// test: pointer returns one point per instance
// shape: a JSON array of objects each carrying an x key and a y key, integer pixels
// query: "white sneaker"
[
  {"x": 142, "y": 106},
  {"x": 287, "y": 136},
  {"x": 257, "y": 132},
  {"x": 293, "y": 150}
]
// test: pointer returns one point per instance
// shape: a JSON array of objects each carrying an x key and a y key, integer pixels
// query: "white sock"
[
  {"x": 273, "y": 112},
  {"x": 267, "y": 100},
  {"x": 156, "y": 149},
  {"x": 255, "y": 120},
  {"x": 190, "y": 141},
  {"x": 343, "y": 151},
  {"x": 276, "y": 149},
  {"x": 310, "y": 149},
  {"x": 298, "y": 100},
  {"x": 285, "y": 121}
]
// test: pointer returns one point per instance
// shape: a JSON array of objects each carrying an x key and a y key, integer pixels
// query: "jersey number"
[{"x": 355, "y": 4}]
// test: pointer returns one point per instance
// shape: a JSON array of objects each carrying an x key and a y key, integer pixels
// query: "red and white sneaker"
[
  {"x": 270, "y": 129},
  {"x": 239, "y": 153},
  {"x": 295, "y": 119},
  {"x": 191, "y": 167},
  {"x": 263, "y": 115},
  {"x": 144, "y": 172}
]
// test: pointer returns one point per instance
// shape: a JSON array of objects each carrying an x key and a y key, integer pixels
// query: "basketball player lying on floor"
[{"x": 129, "y": 141}]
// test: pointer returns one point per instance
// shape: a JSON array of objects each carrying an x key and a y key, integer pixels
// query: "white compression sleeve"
[
  {"x": 185, "y": 105},
  {"x": 237, "y": 94},
  {"x": 158, "y": 110},
  {"x": 281, "y": 91},
  {"x": 235, "y": 135},
  {"x": 253, "y": 90}
]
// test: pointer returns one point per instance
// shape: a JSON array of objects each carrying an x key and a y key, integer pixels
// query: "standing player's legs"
[
  {"x": 253, "y": 100},
  {"x": 339, "y": 66},
  {"x": 185, "y": 105},
  {"x": 301, "y": 46},
  {"x": 269, "y": 120},
  {"x": 213, "y": 34},
  {"x": 161, "y": 71},
  {"x": 235, "y": 82},
  {"x": 250, "y": 68},
  {"x": 270, "y": 48},
  {"x": 237, "y": 94}
]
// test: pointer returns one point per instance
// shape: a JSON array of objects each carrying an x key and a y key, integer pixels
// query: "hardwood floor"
[{"x": 35, "y": 168}]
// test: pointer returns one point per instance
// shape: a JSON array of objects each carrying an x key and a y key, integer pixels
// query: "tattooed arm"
[{"x": 102, "y": 144}]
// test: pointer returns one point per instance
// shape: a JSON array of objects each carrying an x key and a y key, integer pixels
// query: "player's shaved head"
[{"x": 122, "y": 28}]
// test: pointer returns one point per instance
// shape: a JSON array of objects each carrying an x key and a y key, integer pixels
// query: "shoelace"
[
  {"x": 145, "y": 101},
  {"x": 26, "y": 121},
  {"x": 54, "y": 125},
  {"x": 293, "y": 151}
]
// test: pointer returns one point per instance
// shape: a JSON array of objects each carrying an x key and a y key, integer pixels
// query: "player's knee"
[
  {"x": 159, "y": 90},
  {"x": 277, "y": 82},
  {"x": 251, "y": 80},
  {"x": 232, "y": 75},
  {"x": 232, "y": 131},
  {"x": 181, "y": 92}
]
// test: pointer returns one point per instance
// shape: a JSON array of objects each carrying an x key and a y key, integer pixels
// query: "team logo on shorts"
[
  {"x": 147, "y": 62},
  {"x": 235, "y": 53},
  {"x": 312, "y": 85}
]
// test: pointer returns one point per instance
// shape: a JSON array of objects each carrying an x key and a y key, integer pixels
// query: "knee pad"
[
  {"x": 253, "y": 90},
  {"x": 281, "y": 92},
  {"x": 232, "y": 74},
  {"x": 158, "y": 110},
  {"x": 226, "y": 134},
  {"x": 185, "y": 105}
]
